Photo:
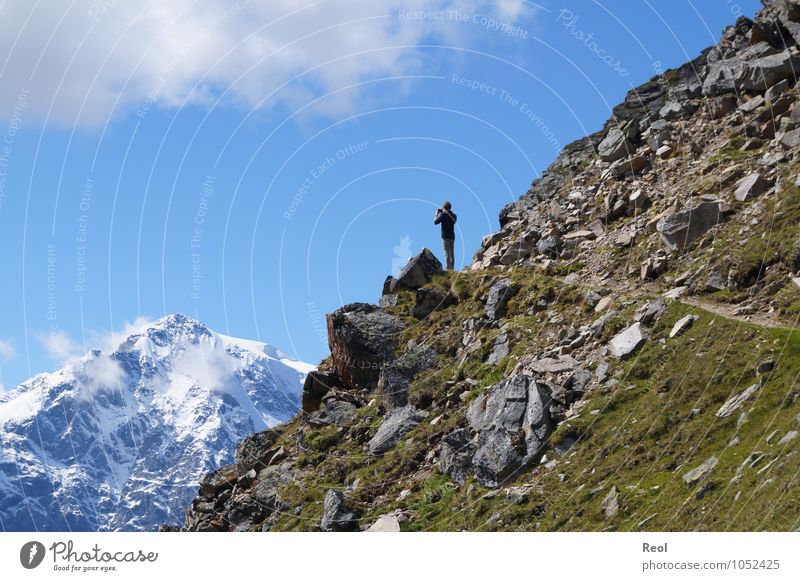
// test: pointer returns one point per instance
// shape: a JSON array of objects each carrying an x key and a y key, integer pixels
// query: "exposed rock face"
[
  {"x": 336, "y": 516},
  {"x": 396, "y": 425},
  {"x": 616, "y": 145},
  {"x": 419, "y": 270},
  {"x": 498, "y": 297},
  {"x": 680, "y": 229},
  {"x": 396, "y": 375},
  {"x": 455, "y": 455},
  {"x": 750, "y": 187},
  {"x": 512, "y": 421},
  {"x": 256, "y": 451},
  {"x": 361, "y": 338}
]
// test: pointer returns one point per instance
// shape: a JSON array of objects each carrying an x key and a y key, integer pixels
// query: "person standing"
[{"x": 447, "y": 218}]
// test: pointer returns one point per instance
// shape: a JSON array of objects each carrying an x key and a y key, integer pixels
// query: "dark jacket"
[{"x": 448, "y": 222}]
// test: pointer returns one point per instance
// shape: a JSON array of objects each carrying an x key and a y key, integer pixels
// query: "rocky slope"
[
  {"x": 621, "y": 354},
  {"x": 118, "y": 441}
]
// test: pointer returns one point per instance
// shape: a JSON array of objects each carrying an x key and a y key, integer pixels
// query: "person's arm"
[{"x": 437, "y": 217}]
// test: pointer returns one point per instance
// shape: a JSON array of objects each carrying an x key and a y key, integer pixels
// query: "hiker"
[{"x": 447, "y": 219}]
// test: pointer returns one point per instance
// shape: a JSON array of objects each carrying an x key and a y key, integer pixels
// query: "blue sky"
[{"x": 259, "y": 166}]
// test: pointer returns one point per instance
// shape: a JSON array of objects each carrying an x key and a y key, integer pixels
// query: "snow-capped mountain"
[{"x": 120, "y": 440}]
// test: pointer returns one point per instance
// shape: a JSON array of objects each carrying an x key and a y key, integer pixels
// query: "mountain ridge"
[{"x": 116, "y": 441}]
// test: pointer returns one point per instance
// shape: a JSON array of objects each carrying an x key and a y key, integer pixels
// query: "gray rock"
[
  {"x": 256, "y": 450},
  {"x": 610, "y": 504},
  {"x": 790, "y": 139},
  {"x": 396, "y": 424},
  {"x": 764, "y": 72},
  {"x": 626, "y": 342},
  {"x": 735, "y": 402},
  {"x": 417, "y": 272},
  {"x": 519, "y": 249},
  {"x": 497, "y": 298},
  {"x": 513, "y": 421},
  {"x": 396, "y": 375},
  {"x": 680, "y": 229},
  {"x": 455, "y": 455},
  {"x": 549, "y": 247},
  {"x": 671, "y": 110},
  {"x": 682, "y": 325},
  {"x": 387, "y": 523},
  {"x": 788, "y": 438},
  {"x": 615, "y": 146},
  {"x": 776, "y": 91},
  {"x": 500, "y": 349},
  {"x": 750, "y": 186},
  {"x": 336, "y": 516},
  {"x": 723, "y": 75},
  {"x": 650, "y": 312},
  {"x": 701, "y": 472},
  {"x": 336, "y": 409}
]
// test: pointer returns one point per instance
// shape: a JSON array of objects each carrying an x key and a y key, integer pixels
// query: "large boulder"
[
  {"x": 722, "y": 75},
  {"x": 336, "y": 515},
  {"x": 512, "y": 421},
  {"x": 616, "y": 145},
  {"x": 396, "y": 375},
  {"x": 396, "y": 425},
  {"x": 680, "y": 229},
  {"x": 361, "y": 338},
  {"x": 626, "y": 342},
  {"x": 497, "y": 298},
  {"x": 762, "y": 73},
  {"x": 417, "y": 272}
]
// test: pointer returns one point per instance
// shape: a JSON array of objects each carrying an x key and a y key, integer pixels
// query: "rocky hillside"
[{"x": 621, "y": 354}]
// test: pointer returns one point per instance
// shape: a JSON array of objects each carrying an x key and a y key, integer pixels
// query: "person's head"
[{"x": 447, "y": 205}]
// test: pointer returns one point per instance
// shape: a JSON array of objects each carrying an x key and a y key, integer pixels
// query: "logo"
[
  {"x": 402, "y": 254},
  {"x": 31, "y": 554}
]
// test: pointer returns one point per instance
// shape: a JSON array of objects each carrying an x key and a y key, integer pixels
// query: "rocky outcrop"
[
  {"x": 395, "y": 425},
  {"x": 336, "y": 515},
  {"x": 361, "y": 337},
  {"x": 396, "y": 375},
  {"x": 419, "y": 271},
  {"x": 679, "y": 229},
  {"x": 512, "y": 423},
  {"x": 497, "y": 298}
]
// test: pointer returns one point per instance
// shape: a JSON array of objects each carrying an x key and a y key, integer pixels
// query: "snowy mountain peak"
[{"x": 118, "y": 440}]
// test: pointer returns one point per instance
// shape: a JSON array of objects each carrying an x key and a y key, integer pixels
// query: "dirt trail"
[{"x": 729, "y": 312}]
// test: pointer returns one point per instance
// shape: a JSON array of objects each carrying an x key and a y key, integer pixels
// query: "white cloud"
[
  {"x": 102, "y": 373},
  {"x": 110, "y": 341},
  {"x": 59, "y": 345},
  {"x": 7, "y": 350},
  {"x": 76, "y": 61}
]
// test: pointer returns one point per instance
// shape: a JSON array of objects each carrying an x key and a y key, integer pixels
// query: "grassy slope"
[{"x": 648, "y": 430}]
